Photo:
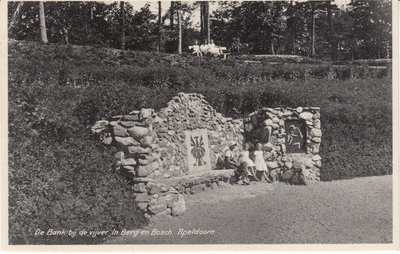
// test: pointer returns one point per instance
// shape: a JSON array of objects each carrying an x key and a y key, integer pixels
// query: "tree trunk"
[
  {"x": 159, "y": 27},
  {"x": 207, "y": 16},
  {"x": 14, "y": 16},
  {"x": 312, "y": 29},
  {"x": 179, "y": 33},
  {"x": 332, "y": 37},
  {"x": 202, "y": 22},
  {"x": 122, "y": 17},
  {"x": 43, "y": 31},
  {"x": 171, "y": 15}
]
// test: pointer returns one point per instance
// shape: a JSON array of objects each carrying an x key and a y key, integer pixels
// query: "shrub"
[{"x": 60, "y": 176}]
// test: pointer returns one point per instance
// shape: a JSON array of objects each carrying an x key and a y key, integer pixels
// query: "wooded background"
[{"x": 358, "y": 30}]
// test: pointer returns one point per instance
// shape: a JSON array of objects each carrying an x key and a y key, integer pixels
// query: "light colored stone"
[
  {"x": 138, "y": 150},
  {"x": 120, "y": 131},
  {"x": 107, "y": 140},
  {"x": 147, "y": 140},
  {"x": 125, "y": 141},
  {"x": 158, "y": 207},
  {"x": 145, "y": 113},
  {"x": 138, "y": 132},
  {"x": 142, "y": 197},
  {"x": 316, "y": 157},
  {"x": 155, "y": 189},
  {"x": 316, "y": 115},
  {"x": 99, "y": 126},
  {"x": 317, "y": 124},
  {"x": 275, "y": 120},
  {"x": 316, "y": 133},
  {"x": 142, "y": 205},
  {"x": 288, "y": 164},
  {"x": 129, "y": 162},
  {"x": 179, "y": 206},
  {"x": 133, "y": 117},
  {"x": 268, "y": 122},
  {"x": 316, "y": 139},
  {"x": 306, "y": 116},
  {"x": 118, "y": 155},
  {"x": 128, "y": 124},
  {"x": 140, "y": 187},
  {"x": 299, "y": 109}
]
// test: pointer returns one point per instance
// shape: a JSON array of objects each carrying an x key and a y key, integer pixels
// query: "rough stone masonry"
[{"x": 175, "y": 151}]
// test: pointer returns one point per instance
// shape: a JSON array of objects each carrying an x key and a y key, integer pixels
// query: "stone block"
[
  {"x": 99, "y": 126},
  {"x": 120, "y": 131},
  {"x": 317, "y": 124},
  {"x": 118, "y": 155},
  {"x": 306, "y": 116},
  {"x": 158, "y": 207},
  {"x": 179, "y": 206},
  {"x": 128, "y": 162},
  {"x": 316, "y": 139},
  {"x": 143, "y": 171},
  {"x": 146, "y": 141},
  {"x": 145, "y": 113},
  {"x": 142, "y": 197},
  {"x": 288, "y": 164},
  {"x": 125, "y": 141},
  {"x": 138, "y": 132},
  {"x": 268, "y": 122},
  {"x": 315, "y": 133},
  {"x": 170, "y": 199},
  {"x": 142, "y": 205},
  {"x": 316, "y": 115},
  {"x": 140, "y": 187},
  {"x": 155, "y": 189},
  {"x": 316, "y": 158},
  {"x": 133, "y": 117},
  {"x": 128, "y": 124},
  {"x": 299, "y": 110},
  {"x": 138, "y": 149}
]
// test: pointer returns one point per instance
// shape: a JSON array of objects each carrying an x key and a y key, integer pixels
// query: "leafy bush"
[{"x": 62, "y": 177}]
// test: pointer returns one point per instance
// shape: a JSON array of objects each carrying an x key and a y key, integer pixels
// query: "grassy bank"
[{"x": 62, "y": 177}]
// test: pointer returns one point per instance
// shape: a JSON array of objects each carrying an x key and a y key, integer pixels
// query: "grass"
[{"x": 61, "y": 176}]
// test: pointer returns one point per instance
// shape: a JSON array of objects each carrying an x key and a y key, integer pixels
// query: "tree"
[
  {"x": 159, "y": 27},
  {"x": 122, "y": 16},
  {"x": 43, "y": 31},
  {"x": 179, "y": 32},
  {"x": 16, "y": 12}
]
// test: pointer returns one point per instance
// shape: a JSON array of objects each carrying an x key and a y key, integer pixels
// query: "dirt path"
[{"x": 349, "y": 211}]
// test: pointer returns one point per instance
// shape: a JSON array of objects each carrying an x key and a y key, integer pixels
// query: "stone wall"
[
  {"x": 154, "y": 148},
  {"x": 151, "y": 148},
  {"x": 291, "y": 139}
]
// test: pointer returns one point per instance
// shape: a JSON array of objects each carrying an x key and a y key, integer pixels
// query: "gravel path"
[{"x": 348, "y": 211}]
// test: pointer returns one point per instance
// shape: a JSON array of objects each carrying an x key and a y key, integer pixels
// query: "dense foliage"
[
  {"x": 361, "y": 29},
  {"x": 60, "y": 176}
]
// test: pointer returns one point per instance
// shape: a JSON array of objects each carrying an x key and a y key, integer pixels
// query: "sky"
[{"x": 196, "y": 15}]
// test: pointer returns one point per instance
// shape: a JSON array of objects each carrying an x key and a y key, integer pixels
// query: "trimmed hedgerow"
[{"x": 60, "y": 176}]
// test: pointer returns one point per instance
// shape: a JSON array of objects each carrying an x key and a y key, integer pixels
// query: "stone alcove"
[{"x": 174, "y": 151}]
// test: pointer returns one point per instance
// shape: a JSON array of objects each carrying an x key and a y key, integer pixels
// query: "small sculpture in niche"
[{"x": 296, "y": 134}]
